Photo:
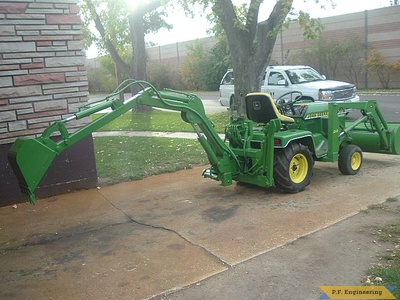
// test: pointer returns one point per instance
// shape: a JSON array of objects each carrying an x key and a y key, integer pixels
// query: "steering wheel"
[{"x": 285, "y": 105}]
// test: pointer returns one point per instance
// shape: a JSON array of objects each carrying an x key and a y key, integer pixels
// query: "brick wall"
[
  {"x": 42, "y": 80},
  {"x": 42, "y": 73}
]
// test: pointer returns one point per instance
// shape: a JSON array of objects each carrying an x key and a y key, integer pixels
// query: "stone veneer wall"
[{"x": 42, "y": 80}]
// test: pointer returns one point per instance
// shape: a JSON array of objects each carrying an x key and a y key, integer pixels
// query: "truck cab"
[{"x": 279, "y": 80}]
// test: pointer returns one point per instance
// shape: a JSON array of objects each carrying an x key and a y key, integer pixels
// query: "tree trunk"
[
  {"x": 137, "y": 32},
  {"x": 251, "y": 45},
  {"x": 248, "y": 80},
  {"x": 119, "y": 81},
  {"x": 242, "y": 87},
  {"x": 139, "y": 48}
]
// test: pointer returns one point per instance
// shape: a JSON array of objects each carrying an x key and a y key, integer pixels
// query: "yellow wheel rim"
[
  {"x": 298, "y": 168},
  {"x": 355, "y": 162}
]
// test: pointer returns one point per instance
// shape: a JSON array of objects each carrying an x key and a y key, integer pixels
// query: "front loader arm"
[
  {"x": 371, "y": 132},
  {"x": 31, "y": 157}
]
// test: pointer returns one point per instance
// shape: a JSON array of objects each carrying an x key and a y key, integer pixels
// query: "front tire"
[
  {"x": 293, "y": 168},
  {"x": 350, "y": 159}
]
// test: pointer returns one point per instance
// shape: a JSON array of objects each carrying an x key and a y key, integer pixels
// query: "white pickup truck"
[{"x": 279, "y": 80}]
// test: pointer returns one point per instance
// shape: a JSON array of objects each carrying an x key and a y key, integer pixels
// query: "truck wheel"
[
  {"x": 293, "y": 168},
  {"x": 350, "y": 159}
]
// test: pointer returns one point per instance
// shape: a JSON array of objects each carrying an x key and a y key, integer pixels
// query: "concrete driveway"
[{"x": 138, "y": 239}]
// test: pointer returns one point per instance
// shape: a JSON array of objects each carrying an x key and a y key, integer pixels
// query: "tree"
[
  {"x": 354, "y": 52},
  {"x": 220, "y": 62},
  {"x": 251, "y": 42},
  {"x": 329, "y": 55},
  {"x": 203, "y": 70},
  {"x": 121, "y": 28},
  {"x": 379, "y": 65},
  {"x": 194, "y": 66}
]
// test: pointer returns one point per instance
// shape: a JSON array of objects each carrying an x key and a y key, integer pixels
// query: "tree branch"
[
  {"x": 226, "y": 13},
  {"x": 252, "y": 17},
  {"x": 238, "y": 38},
  {"x": 149, "y": 6},
  {"x": 266, "y": 41},
  {"x": 121, "y": 65}
]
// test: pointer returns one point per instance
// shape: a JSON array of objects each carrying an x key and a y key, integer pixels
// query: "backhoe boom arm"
[{"x": 30, "y": 158}]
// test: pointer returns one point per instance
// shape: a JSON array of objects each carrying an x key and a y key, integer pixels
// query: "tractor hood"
[{"x": 315, "y": 110}]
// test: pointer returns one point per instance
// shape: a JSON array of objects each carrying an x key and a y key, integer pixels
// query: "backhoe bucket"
[{"x": 30, "y": 159}]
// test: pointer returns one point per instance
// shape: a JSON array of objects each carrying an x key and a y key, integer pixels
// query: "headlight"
[{"x": 326, "y": 95}]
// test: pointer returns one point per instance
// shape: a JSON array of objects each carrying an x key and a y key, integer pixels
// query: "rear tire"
[
  {"x": 350, "y": 159},
  {"x": 293, "y": 168}
]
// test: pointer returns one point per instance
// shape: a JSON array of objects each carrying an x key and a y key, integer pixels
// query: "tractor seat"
[{"x": 261, "y": 108}]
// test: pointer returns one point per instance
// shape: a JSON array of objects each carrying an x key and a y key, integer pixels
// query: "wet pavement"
[{"x": 139, "y": 239}]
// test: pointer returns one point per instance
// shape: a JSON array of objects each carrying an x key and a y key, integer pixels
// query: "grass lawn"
[
  {"x": 121, "y": 159},
  {"x": 160, "y": 120},
  {"x": 389, "y": 268}
]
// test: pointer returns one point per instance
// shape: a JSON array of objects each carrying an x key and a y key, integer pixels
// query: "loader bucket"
[
  {"x": 30, "y": 159},
  {"x": 371, "y": 141},
  {"x": 394, "y": 138}
]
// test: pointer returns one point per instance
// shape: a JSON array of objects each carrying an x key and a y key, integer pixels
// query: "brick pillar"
[{"x": 42, "y": 80}]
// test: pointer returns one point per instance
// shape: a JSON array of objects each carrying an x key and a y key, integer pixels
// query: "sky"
[{"x": 186, "y": 28}]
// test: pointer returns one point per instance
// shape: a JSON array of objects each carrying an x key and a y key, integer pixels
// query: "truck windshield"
[{"x": 303, "y": 75}]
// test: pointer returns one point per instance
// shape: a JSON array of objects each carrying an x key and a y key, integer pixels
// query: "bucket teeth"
[{"x": 28, "y": 195}]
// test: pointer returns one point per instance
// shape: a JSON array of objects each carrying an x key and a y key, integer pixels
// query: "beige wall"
[
  {"x": 379, "y": 29},
  {"x": 382, "y": 33}
]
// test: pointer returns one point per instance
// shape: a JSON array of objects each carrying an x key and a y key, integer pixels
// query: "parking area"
[{"x": 138, "y": 239}]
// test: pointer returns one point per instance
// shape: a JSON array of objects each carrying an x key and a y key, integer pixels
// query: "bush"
[
  {"x": 100, "y": 81},
  {"x": 379, "y": 65},
  {"x": 203, "y": 70},
  {"x": 335, "y": 59},
  {"x": 159, "y": 75}
]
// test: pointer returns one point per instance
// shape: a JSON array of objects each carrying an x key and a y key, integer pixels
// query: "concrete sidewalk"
[
  {"x": 339, "y": 255},
  {"x": 139, "y": 239}
]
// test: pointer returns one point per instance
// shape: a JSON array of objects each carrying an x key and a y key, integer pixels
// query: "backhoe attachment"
[{"x": 31, "y": 157}]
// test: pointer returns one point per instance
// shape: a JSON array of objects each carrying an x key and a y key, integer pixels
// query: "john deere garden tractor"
[{"x": 276, "y": 145}]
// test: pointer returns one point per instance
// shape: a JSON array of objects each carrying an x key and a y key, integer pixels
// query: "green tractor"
[{"x": 276, "y": 145}]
